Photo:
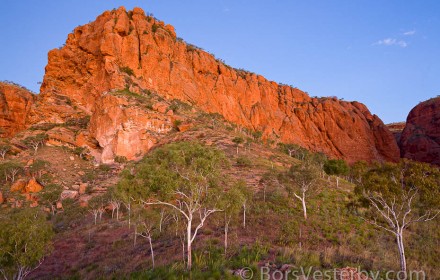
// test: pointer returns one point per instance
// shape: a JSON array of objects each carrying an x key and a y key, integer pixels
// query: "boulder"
[
  {"x": 68, "y": 194},
  {"x": 2, "y": 199},
  {"x": 82, "y": 188},
  {"x": 33, "y": 186},
  {"x": 184, "y": 127},
  {"x": 18, "y": 185},
  {"x": 84, "y": 200}
]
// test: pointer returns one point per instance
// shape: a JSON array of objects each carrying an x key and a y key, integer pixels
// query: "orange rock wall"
[
  {"x": 15, "y": 104},
  {"x": 101, "y": 55}
]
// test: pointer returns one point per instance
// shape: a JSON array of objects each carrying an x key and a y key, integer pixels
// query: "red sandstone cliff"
[
  {"x": 420, "y": 139},
  {"x": 123, "y": 49},
  {"x": 15, "y": 104}
]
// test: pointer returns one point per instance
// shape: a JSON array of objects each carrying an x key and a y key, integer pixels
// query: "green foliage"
[
  {"x": 104, "y": 168},
  {"x": 34, "y": 142},
  {"x": 244, "y": 161},
  {"x": 233, "y": 200},
  {"x": 249, "y": 255},
  {"x": 38, "y": 167},
  {"x": 257, "y": 135},
  {"x": 25, "y": 238},
  {"x": 127, "y": 70},
  {"x": 238, "y": 140},
  {"x": 304, "y": 174},
  {"x": 191, "y": 48},
  {"x": 357, "y": 170},
  {"x": 336, "y": 167},
  {"x": 80, "y": 122},
  {"x": 82, "y": 152},
  {"x": 120, "y": 159},
  {"x": 167, "y": 169},
  {"x": 179, "y": 106},
  {"x": 294, "y": 151},
  {"x": 4, "y": 149},
  {"x": 155, "y": 27},
  {"x": 10, "y": 169},
  {"x": 176, "y": 124},
  {"x": 394, "y": 180},
  {"x": 51, "y": 193}
]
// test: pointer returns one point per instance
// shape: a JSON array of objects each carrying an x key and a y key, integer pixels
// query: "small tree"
[
  {"x": 232, "y": 203},
  {"x": 25, "y": 238},
  {"x": 303, "y": 180},
  {"x": 336, "y": 167},
  {"x": 50, "y": 195},
  {"x": 34, "y": 142},
  {"x": 11, "y": 169},
  {"x": 238, "y": 141},
  {"x": 4, "y": 149},
  {"x": 146, "y": 227},
  {"x": 357, "y": 171},
  {"x": 96, "y": 207},
  {"x": 245, "y": 198},
  {"x": 400, "y": 195},
  {"x": 37, "y": 168},
  {"x": 184, "y": 177}
]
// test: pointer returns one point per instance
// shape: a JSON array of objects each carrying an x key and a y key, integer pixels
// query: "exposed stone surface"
[
  {"x": 396, "y": 129},
  {"x": 2, "y": 199},
  {"x": 15, "y": 105},
  {"x": 420, "y": 139},
  {"x": 59, "y": 136},
  {"x": 18, "y": 185},
  {"x": 123, "y": 49},
  {"x": 124, "y": 129},
  {"x": 26, "y": 187},
  {"x": 33, "y": 186},
  {"x": 68, "y": 194},
  {"x": 82, "y": 188}
]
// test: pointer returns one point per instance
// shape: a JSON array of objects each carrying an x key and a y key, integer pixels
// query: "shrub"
[
  {"x": 120, "y": 159},
  {"x": 127, "y": 70},
  {"x": 336, "y": 167},
  {"x": 243, "y": 161}
]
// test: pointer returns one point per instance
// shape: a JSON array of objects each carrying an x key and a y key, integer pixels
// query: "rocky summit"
[
  {"x": 127, "y": 50},
  {"x": 420, "y": 139}
]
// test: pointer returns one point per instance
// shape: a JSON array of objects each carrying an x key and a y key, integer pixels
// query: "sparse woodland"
[{"x": 192, "y": 208}]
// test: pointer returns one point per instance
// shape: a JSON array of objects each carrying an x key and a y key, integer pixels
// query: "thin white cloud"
[
  {"x": 409, "y": 33},
  {"x": 392, "y": 42}
]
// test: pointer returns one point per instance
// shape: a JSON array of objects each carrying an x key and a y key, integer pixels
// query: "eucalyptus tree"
[
  {"x": 184, "y": 177},
  {"x": 25, "y": 239},
  {"x": 399, "y": 195}
]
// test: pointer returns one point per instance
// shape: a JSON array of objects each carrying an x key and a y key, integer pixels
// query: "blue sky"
[{"x": 385, "y": 54}]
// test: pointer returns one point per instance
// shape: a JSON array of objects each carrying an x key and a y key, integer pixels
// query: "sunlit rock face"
[{"x": 127, "y": 49}]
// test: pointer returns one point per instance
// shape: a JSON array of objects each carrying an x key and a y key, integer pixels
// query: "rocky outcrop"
[
  {"x": 130, "y": 50},
  {"x": 124, "y": 127},
  {"x": 15, "y": 105},
  {"x": 420, "y": 139},
  {"x": 26, "y": 186},
  {"x": 396, "y": 129}
]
